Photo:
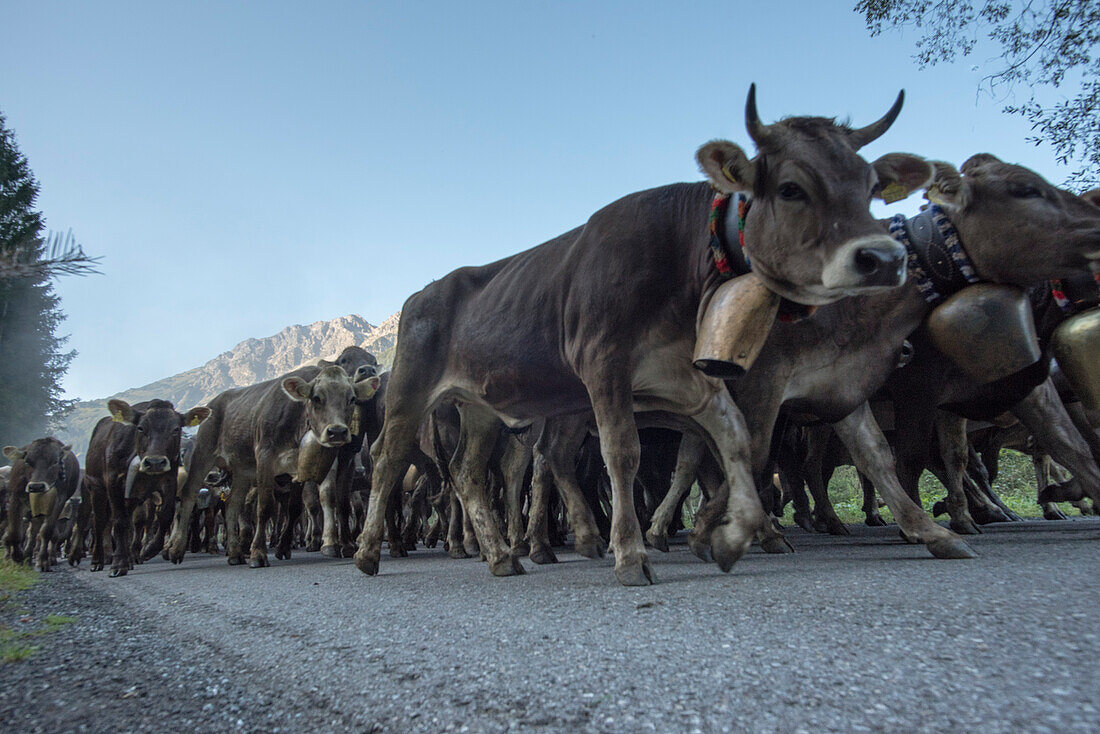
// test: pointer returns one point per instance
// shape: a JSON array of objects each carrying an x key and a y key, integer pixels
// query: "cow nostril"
[
  {"x": 36, "y": 487},
  {"x": 868, "y": 261},
  {"x": 337, "y": 431}
]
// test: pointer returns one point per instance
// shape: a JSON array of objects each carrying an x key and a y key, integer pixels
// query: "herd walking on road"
[{"x": 746, "y": 335}]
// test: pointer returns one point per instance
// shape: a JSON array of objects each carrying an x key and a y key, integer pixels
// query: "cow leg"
[
  {"x": 455, "y": 547},
  {"x": 293, "y": 506},
  {"x": 13, "y": 537},
  {"x": 560, "y": 441},
  {"x": 97, "y": 496},
  {"x": 818, "y": 471},
  {"x": 1043, "y": 414},
  {"x": 265, "y": 507},
  {"x": 469, "y": 533},
  {"x": 538, "y": 520},
  {"x": 514, "y": 464},
  {"x": 311, "y": 505},
  {"x": 688, "y": 458},
  {"x": 390, "y": 457},
  {"x": 477, "y": 438},
  {"x": 872, "y": 456},
  {"x": 951, "y": 434},
  {"x": 160, "y": 518},
  {"x": 38, "y": 545},
  {"x": 80, "y": 529},
  {"x": 238, "y": 493},
  {"x": 330, "y": 533},
  {"x": 202, "y": 462},
  {"x": 121, "y": 527},
  {"x": 1041, "y": 463},
  {"x": 872, "y": 518},
  {"x": 345, "y": 515}
]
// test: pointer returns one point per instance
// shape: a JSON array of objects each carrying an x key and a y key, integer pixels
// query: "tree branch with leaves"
[{"x": 1047, "y": 47}]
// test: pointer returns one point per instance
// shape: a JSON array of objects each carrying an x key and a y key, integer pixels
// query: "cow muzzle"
[
  {"x": 154, "y": 465},
  {"x": 365, "y": 371},
  {"x": 865, "y": 263},
  {"x": 336, "y": 434},
  {"x": 33, "y": 487}
]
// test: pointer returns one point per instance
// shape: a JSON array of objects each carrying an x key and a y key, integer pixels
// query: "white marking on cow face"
[{"x": 865, "y": 264}]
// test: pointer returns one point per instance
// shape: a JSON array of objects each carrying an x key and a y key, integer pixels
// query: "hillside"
[{"x": 251, "y": 361}]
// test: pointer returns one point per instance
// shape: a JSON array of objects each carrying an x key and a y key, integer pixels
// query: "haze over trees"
[
  {"x": 33, "y": 359},
  {"x": 1045, "y": 48}
]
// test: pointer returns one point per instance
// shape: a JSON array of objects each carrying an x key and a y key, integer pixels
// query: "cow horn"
[
  {"x": 758, "y": 131},
  {"x": 865, "y": 135}
]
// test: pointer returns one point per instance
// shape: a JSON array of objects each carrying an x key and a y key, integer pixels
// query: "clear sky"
[{"x": 246, "y": 166}]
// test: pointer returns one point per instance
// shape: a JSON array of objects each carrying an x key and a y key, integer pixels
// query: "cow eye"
[
  {"x": 790, "y": 191},
  {"x": 316, "y": 400},
  {"x": 140, "y": 429},
  {"x": 1024, "y": 191}
]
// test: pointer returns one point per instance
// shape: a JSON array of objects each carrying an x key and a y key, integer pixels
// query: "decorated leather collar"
[
  {"x": 730, "y": 262},
  {"x": 936, "y": 258}
]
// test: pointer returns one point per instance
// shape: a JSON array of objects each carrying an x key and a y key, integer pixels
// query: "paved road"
[{"x": 849, "y": 634}]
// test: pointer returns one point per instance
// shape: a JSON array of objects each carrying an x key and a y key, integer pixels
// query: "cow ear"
[
  {"x": 195, "y": 416},
  {"x": 365, "y": 389},
  {"x": 14, "y": 454},
  {"x": 977, "y": 161},
  {"x": 121, "y": 412},
  {"x": 1092, "y": 197},
  {"x": 900, "y": 174},
  {"x": 726, "y": 166},
  {"x": 66, "y": 448},
  {"x": 947, "y": 186},
  {"x": 297, "y": 389}
]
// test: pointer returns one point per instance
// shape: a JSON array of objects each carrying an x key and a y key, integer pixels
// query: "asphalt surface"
[{"x": 848, "y": 634}]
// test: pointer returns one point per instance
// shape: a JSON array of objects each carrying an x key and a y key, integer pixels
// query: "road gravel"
[{"x": 864, "y": 633}]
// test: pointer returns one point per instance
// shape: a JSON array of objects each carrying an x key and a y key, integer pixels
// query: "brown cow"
[
  {"x": 603, "y": 319},
  {"x": 1014, "y": 226},
  {"x": 132, "y": 455},
  {"x": 44, "y": 475},
  {"x": 283, "y": 431}
]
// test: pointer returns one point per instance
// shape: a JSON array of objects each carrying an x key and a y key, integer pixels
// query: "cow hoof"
[
  {"x": 727, "y": 551},
  {"x": 116, "y": 572},
  {"x": 802, "y": 520},
  {"x": 1052, "y": 512},
  {"x": 236, "y": 560},
  {"x": 42, "y": 567},
  {"x": 473, "y": 550},
  {"x": 367, "y": 563},
  {"x": 96, "y": 566},
  {"x": 457, "y": 551},
  {"x": 313, "y": 547},
  {"x": 964, "y": 526},
  {"x": 638, "y": 573},
  {"x": 591, "y": 548},
  {"x": 657, "y": 540},
  {"x": 908, "y": 539},
  {"x": 776, "y": 544},
  {"x": 520, "y": 549},
  {"x": 874, "y": 520},
  {"x": 833, "y": 526},
  {"x": 330, "y": 551},
  {"x": 282, "y": 555},
  {"x": 507, "y": 566},
  {"x": 543, "y": 555},
  {"x": 397, "y": 550},
  {"x": 74, "y": 562},
  {"x": 699, "y": 547},
  {"x": 953, "y": 548}
]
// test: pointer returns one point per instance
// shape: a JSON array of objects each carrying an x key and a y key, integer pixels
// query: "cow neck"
[
  {"x": 936, "y": 258},
  {"x": 733, "y": 262},
  {"x": 1070, "y": 299}
]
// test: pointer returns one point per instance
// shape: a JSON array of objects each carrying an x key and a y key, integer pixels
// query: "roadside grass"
[
  {"x": 1015, "y": 485},
  {"x": 16, "y": 645}
]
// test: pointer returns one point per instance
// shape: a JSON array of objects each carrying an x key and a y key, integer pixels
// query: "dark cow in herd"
[
  {"x": 44, "y": 475},
  {"x": 132, "y": 456},
  {"x": 271, "y": 437}
]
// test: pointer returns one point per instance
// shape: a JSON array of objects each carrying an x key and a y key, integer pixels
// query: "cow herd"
[{"x": 561, "y": 390}]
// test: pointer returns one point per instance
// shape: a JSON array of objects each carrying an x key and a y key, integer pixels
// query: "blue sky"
[{"x": 242, "y": 167}]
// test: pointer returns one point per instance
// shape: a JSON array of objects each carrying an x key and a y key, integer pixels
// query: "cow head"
[
  {"x": 357, "y": 362},
  {"x": 809, "y": 232},
  {"x": 43, "y": 463},
  {"x": 158, "y": 429},
  {"x": 1016, "y": 227},
  {"x": 330, "y": 400}
]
